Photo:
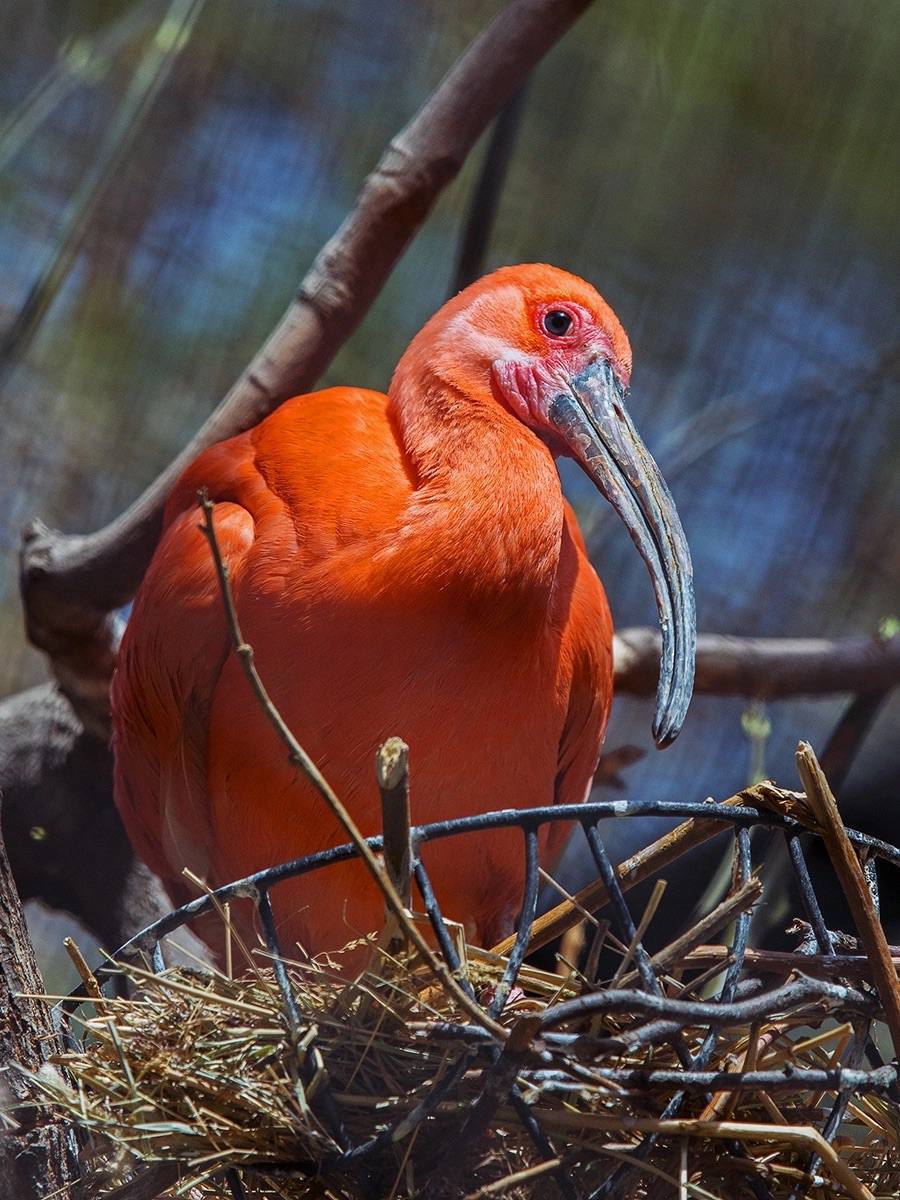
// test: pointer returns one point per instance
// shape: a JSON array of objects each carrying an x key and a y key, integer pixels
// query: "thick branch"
[
  {"x": 66, "y": 843},
  {"x": 70, "y": 583},
  {"x": 765, "y": 668}
]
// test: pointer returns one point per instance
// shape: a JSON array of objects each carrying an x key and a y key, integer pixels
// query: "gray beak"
[{"x": 591, "y": 418}]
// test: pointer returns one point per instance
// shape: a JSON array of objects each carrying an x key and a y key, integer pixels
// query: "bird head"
[{"x": 545, "y": 346}]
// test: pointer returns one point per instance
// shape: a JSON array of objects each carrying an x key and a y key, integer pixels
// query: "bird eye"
[{"x": 557, "y": 322}]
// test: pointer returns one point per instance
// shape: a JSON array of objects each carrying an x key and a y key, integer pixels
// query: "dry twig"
[
  {"x": 856, "y": 967},
  {"x": 853, "y": 881},
  {"x": 304, "y": 763}
]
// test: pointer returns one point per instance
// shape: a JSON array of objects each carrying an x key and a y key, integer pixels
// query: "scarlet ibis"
[{"x": 401, "y": 564}]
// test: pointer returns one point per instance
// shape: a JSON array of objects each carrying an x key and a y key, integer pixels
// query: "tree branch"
[
  {"x": 851, "y": 876},
  {"x": 71, "y": 583},
  {"x": 764, "y": 668},
  {"x": 66, "y": 842}
]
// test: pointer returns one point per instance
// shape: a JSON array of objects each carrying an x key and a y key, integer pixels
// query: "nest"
[{"x": 219, "y": 1081}]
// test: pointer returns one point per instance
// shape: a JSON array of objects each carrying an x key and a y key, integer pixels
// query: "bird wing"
[
  {"x": 171, "y": 656},
  {"x": 314, "y": 477}
]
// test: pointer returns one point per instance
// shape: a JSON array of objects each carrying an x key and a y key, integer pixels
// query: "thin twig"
[
  {"x": 853, "y": 881},
  {"x": 301, "y": 759},
  {"x": 855, "y": 967},
  {"x": 499, "y": 1186},
  {"x": 392, "y": 773},
  {"x": 678, "y": 953},
  {"x": 647, "y": 916},
  {"x": 88, "y": 978}
]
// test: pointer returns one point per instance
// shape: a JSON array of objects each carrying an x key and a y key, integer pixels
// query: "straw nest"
[{"x": 201, "y": 1072}]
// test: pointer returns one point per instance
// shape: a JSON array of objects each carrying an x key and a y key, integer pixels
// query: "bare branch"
[
  {"x": 66, "y": 843},
  {"x": 765, "y": 668},
  {"x": 392, "y": 774},
  {"x": 854, "y": 967},
  {"x": 71, "y": 583}
]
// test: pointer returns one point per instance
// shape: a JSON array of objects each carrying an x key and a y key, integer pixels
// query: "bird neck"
[{"x": 486, "y": 493}]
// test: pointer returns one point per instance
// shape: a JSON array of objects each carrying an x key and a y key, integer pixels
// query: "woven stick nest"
[
  {"x": 208, "y": 1077},
  {"x": 201, "y": 1070}
]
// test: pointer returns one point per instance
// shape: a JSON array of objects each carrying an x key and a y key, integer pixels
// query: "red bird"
[{"x": 401, "y": 564}]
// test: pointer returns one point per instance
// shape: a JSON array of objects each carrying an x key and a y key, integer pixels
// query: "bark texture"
[
  {"x": 764, "y": 668},
  {"x": 38, "y": 1155}
]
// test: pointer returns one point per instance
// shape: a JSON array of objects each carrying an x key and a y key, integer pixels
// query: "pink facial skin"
[{"x": 527, "y": 384}]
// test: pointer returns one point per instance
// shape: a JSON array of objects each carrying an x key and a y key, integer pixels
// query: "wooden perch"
[
  {"x": 70, "y": 584},
  {"x": 764, "y": 668},
  {"x": 392, "y": 773}
]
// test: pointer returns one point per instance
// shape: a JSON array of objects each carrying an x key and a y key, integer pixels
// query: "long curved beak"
[{"x": 591, "y": 418}]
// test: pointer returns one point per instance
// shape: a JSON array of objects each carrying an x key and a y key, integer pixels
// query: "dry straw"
[{"x": 201, "y": 1072}]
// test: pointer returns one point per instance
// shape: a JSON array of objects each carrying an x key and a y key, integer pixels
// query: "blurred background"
[{"x": 727, "y": 175}]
